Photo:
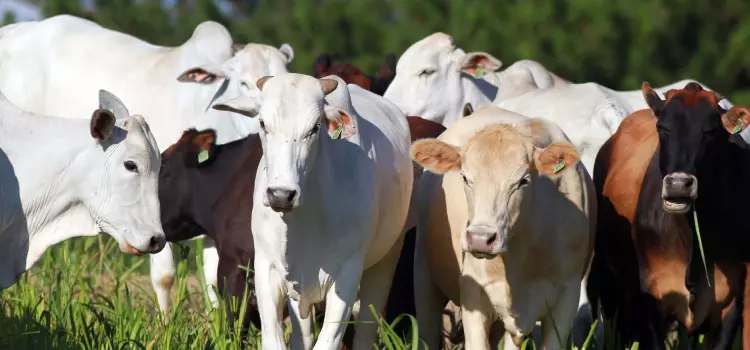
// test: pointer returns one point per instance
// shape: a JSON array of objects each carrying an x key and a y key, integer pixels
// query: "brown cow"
[
  {"x": 351, "y": 74},
  {"x": 647, "y": 176}
]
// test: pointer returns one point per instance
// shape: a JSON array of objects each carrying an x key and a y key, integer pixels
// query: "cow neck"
[
  {"x": 52, "y": 211},
  {"x": 233, "y": 162}
]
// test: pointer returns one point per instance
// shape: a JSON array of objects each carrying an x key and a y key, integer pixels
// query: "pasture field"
[{"x": 85, "y": 294}]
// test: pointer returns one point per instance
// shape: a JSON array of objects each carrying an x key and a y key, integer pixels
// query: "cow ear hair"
[
  {"x": 201, "y": 75},
  {"x": 478, "y": 63},
  {"x": 102, "y": 123},
  {"x": 736, "y": 119},
  {"x": 556, "y": 158},
  {"x": 339, "y": 123}
]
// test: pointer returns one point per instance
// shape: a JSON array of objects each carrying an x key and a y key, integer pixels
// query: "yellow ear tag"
[
  {"x": 738, "y": 127},
  {"x": 479, "y": 71},
  {"x": 202, "y": 155},
  {"x": 560, "y": 165},
  {"x": 337, "y": 133}
]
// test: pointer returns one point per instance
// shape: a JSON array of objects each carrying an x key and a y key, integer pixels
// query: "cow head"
[
  {"x": 500, "y": 168},
  {"x": 434, "y": 78},
  {"x": 235, "y": 77},
  {"x": 293, "y": 119},
  {"x": 194, "y": 150},
  {"x": 118, "y": 183},
  {"x": 693, "y": 129}
]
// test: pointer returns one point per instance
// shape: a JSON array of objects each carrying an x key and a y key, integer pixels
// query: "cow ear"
[
  {"x": 237, "y": 47},
  {"x": 468, "y": 109},
  {"x": 436, "y": 156},
  {"x": 479, "y": 63},
  {"x": 556, "y": 158},
  {"x": 247, "y": 106},
  {"x": 202, "y": 147},
  {"x": 339, "y": 123},
  {"x": 201, "y": 75},
  {"x": 112, "y": 103},
  {"x": 287, "y": 50},
  {"x": 736, "y": 119},
  {"x": 652, "y": 99},
  {"x": 102, "y": 123}
]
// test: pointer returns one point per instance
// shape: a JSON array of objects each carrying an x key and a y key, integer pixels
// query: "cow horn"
[
  {"x": 328, "y": 85},
  {"x": 262, "y": 81}
]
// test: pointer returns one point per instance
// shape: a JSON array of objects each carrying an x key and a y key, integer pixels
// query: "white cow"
[
  {"x": 63, "y": 178},
  {"x": 435, "y": 79},
  {"x": 335, "y": 187},
  {"x": 506, "y": 233},
  {"x": 56, "y": 65}
]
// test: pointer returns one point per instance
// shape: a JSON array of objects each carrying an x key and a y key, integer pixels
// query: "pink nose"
[{"x": 480, "y": 241}]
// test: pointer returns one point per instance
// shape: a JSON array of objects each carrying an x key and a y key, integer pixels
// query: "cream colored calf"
[{"x": 513, "y": 242}]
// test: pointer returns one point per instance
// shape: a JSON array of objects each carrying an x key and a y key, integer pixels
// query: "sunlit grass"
[{"x": 85, "y": 294}]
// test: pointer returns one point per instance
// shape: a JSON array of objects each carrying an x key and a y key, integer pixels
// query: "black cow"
[{"x": 664, "y": 163}]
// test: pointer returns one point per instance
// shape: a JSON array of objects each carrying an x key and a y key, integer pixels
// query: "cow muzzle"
[
  {"x": 678, "y": 192},
  {"x": 153, "y": 245},
  {"x": 484, "y": 242},
  {"x": 282, "y": 198}
]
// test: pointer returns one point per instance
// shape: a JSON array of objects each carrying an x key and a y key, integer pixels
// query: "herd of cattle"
[{"x": 574, "y": 202}]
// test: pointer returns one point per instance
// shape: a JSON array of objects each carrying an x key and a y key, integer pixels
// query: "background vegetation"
[{"x": 84, "y": 294}]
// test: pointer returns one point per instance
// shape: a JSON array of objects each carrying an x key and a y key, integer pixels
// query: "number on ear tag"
[
  {"x": 738, "y": 127},
  {"x": 560, "y": 165},
  {"x": 479, "y": 71},
  {"x": 337, "y": 133},
  {"x": 202, "y": 155}
]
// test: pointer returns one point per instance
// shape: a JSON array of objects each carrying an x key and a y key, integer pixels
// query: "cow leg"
[
  {"x": 374, "y": 288},
  {"x": 339, "y": 301},
  {"x": 476, "y": 326},
  {"x": 302, "y": 328},
  {"x": 724, "y": 337},
  {"x": 401, "y": 297},
  {"x": 162, "y": 277},
  {"x": 210, "y": 268},
  {"x": 268, "y": 291},
  {"x": 558, "y": 322},
  {"x": 429, "y": 301}
]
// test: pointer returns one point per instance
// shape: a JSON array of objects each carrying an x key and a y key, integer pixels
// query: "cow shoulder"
[{"x": 632, "y": 148}]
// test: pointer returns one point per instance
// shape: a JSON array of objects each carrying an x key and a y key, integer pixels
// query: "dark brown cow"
[
  {"x": 378, "y": 83},
  {"x": 203, "y": 189},
  {"x": 661, "y": 165}
]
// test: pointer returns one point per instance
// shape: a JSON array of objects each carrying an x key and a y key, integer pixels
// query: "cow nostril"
[
  {"x": 291, "y": 195},
  {"x": 156, "y": 242},
  {"x": 491, "y": 239},
  {"x": 689, "y": 182}
]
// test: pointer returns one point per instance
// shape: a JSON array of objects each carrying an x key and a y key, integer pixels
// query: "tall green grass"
[{"x": 85, "y": 294}]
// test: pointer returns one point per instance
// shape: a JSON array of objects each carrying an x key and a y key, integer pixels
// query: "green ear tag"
[
  {"x": 560, "y": 165},
  {"x": 738, "y": 127},
  {"x": 480, "y": 71},
  {"x": 337, "y": 133},
  {"x": 111, "y": 110},
  {"x": 202, "y": 155}
]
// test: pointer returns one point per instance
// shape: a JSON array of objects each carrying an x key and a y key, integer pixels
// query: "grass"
[{"x": 85, "y": 294}]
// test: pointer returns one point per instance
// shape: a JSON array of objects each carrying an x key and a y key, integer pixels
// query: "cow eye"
[
  {"x": 466, "y": 181},
  {"x": 244, "y": 84},
  {"x": 314, "y": 130},
  {"x": 524, "y": 181},
  {"x": 427, "y": 72},
  {"x": 130, "y": 166},
  {"x": 262, "y": 125}
]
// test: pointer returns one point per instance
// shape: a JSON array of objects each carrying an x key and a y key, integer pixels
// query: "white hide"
[
  {"x": 56, "y": 66},
  {"x": 430, "y": 83},
  {"x": 57, "y": 182},
  {"x": 345, "y": 231}
]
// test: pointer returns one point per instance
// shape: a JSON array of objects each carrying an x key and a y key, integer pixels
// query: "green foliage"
[{"x": 617, "y": 43}]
